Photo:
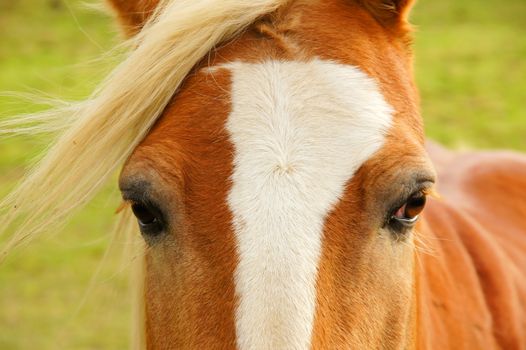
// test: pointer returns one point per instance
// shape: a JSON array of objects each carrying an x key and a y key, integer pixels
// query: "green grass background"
[{"x": 470, "y": 67}]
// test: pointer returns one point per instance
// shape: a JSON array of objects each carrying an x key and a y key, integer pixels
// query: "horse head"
[{"x": 279, "y": 191}]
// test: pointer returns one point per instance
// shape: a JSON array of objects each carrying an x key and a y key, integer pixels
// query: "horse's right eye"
[{"x": 149, "y": 219}]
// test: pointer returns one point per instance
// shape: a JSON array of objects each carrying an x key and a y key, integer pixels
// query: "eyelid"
[
  {"x": 424, "y": 187},
  {"x": 134, "y": 197},
  {"x": 407, "y": 222}
]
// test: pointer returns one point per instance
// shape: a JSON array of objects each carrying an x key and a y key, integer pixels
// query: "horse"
[{"x": 276, "y": 165}]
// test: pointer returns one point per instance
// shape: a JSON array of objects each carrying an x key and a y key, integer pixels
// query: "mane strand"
[{"x": 97, "y": 135}]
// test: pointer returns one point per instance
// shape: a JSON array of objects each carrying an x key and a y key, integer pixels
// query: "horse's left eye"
[{"x": 408, "y": 213}]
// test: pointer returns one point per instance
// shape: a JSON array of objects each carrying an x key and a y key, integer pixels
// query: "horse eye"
[
  {"x": 149, "y": 220},
  {"x": 408, "y": 213}
]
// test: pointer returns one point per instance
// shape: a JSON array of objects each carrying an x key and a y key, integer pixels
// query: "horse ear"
[
  {"x": 132, "y": 14},
  {"x": 389, "y": 11}
]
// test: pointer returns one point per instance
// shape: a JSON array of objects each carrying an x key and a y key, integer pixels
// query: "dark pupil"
[
  {"x": 143, "y": 214},
  {"x": 415, "y": 205}
]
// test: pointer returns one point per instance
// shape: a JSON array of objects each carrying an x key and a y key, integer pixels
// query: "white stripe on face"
[{"x": 300, "y": 130}]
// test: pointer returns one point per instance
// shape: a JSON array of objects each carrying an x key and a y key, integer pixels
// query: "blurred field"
[{"x": 470, "y": 66}]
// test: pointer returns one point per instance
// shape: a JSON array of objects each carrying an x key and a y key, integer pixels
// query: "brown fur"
[
  {"x": 132, "y": 14},
  {"x": 466, "y": 290},
  {"x": 188, "y": 267}
]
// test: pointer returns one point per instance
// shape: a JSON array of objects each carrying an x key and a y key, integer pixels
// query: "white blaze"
[{"x": 300, "y": 131}]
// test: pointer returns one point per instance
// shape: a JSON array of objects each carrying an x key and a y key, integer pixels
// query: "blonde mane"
[{"x": 97, "y": 135}]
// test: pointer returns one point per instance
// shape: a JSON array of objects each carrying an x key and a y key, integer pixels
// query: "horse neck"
[{"x": 451, "y": 308}]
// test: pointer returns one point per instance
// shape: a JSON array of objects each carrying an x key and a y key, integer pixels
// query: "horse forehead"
[
  {"x": 300, "y": 130},
  {"x": 296, "y": 116}
]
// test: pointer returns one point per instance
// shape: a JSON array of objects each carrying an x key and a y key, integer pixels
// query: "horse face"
[{"x": 278, "y": 192}]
